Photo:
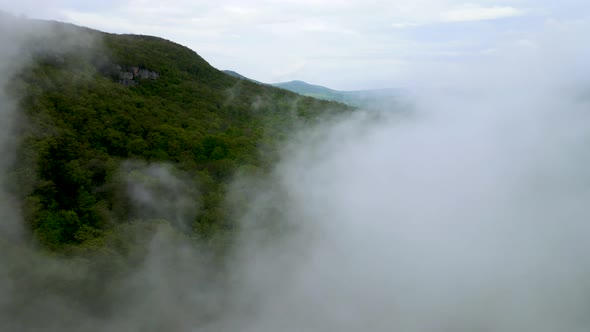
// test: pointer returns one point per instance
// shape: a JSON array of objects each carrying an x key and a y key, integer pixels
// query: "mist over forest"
[{"x": 142, "y": 189}]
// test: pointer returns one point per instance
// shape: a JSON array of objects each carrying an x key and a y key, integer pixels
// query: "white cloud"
[
  {"x": 476, "y": 13},
  {"x": 404, "y": 25},
  {"x": 464, "y": 13},
  {"x": 276, "y": 36}
]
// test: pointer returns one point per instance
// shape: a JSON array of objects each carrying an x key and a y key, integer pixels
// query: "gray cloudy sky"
[{"x": 351, "y": 44}]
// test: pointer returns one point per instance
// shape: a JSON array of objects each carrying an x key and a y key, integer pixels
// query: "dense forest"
[{"x": 96, "y": 110}]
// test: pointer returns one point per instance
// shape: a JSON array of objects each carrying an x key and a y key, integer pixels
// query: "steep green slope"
[{"x": 98, "y": 105}]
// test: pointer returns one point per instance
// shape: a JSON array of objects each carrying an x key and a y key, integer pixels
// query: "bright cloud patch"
[{"x": 466, "y": 14}]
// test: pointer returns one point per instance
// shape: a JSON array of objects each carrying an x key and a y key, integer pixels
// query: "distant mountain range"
[{"x": 372, "y": 99}]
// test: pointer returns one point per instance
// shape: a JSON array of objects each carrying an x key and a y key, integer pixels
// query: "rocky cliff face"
[{"x": 131, "y": 76}]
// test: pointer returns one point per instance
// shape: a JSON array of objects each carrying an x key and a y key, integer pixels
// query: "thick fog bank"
[{"x": 469, "y": 213}]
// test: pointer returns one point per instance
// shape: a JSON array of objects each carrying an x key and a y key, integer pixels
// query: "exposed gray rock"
[
  {"x": 125, "y": 75},
  {"x": 145, "y": 74},
  {"x": 131, "y": 77}
]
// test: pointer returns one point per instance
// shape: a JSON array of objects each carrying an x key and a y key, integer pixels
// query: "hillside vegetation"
[{"x": 97, "y": 109}]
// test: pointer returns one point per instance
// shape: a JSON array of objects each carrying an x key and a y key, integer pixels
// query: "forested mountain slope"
[{"x": 96, "y": 109}]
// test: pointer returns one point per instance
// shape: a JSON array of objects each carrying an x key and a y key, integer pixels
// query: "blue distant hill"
[{"x": 377, "y": 98}]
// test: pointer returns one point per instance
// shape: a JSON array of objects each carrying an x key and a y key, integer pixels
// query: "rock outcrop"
[{"x": 131, "y": 76}]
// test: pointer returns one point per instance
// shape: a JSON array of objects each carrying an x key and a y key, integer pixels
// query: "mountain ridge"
[{"x": 370, "y": 98}]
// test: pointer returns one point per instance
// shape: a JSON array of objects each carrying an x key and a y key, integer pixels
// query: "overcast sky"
[{"x": 352, "y": 44}]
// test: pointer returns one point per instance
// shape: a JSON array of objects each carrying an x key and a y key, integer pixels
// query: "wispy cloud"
[
  {"x": 476, "y": 13},
  {"x": 405, "y": 25},
  {"x": 464, "y": 13}
]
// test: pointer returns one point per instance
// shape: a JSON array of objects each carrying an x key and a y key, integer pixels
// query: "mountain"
[
  {"x": 379, "y": 99},
  {"x": 370, "y": 99},
  {"x": 239, "y": 76},
  {"x": 307, "y": 89},
  {"x": 102, "y": 113}
]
